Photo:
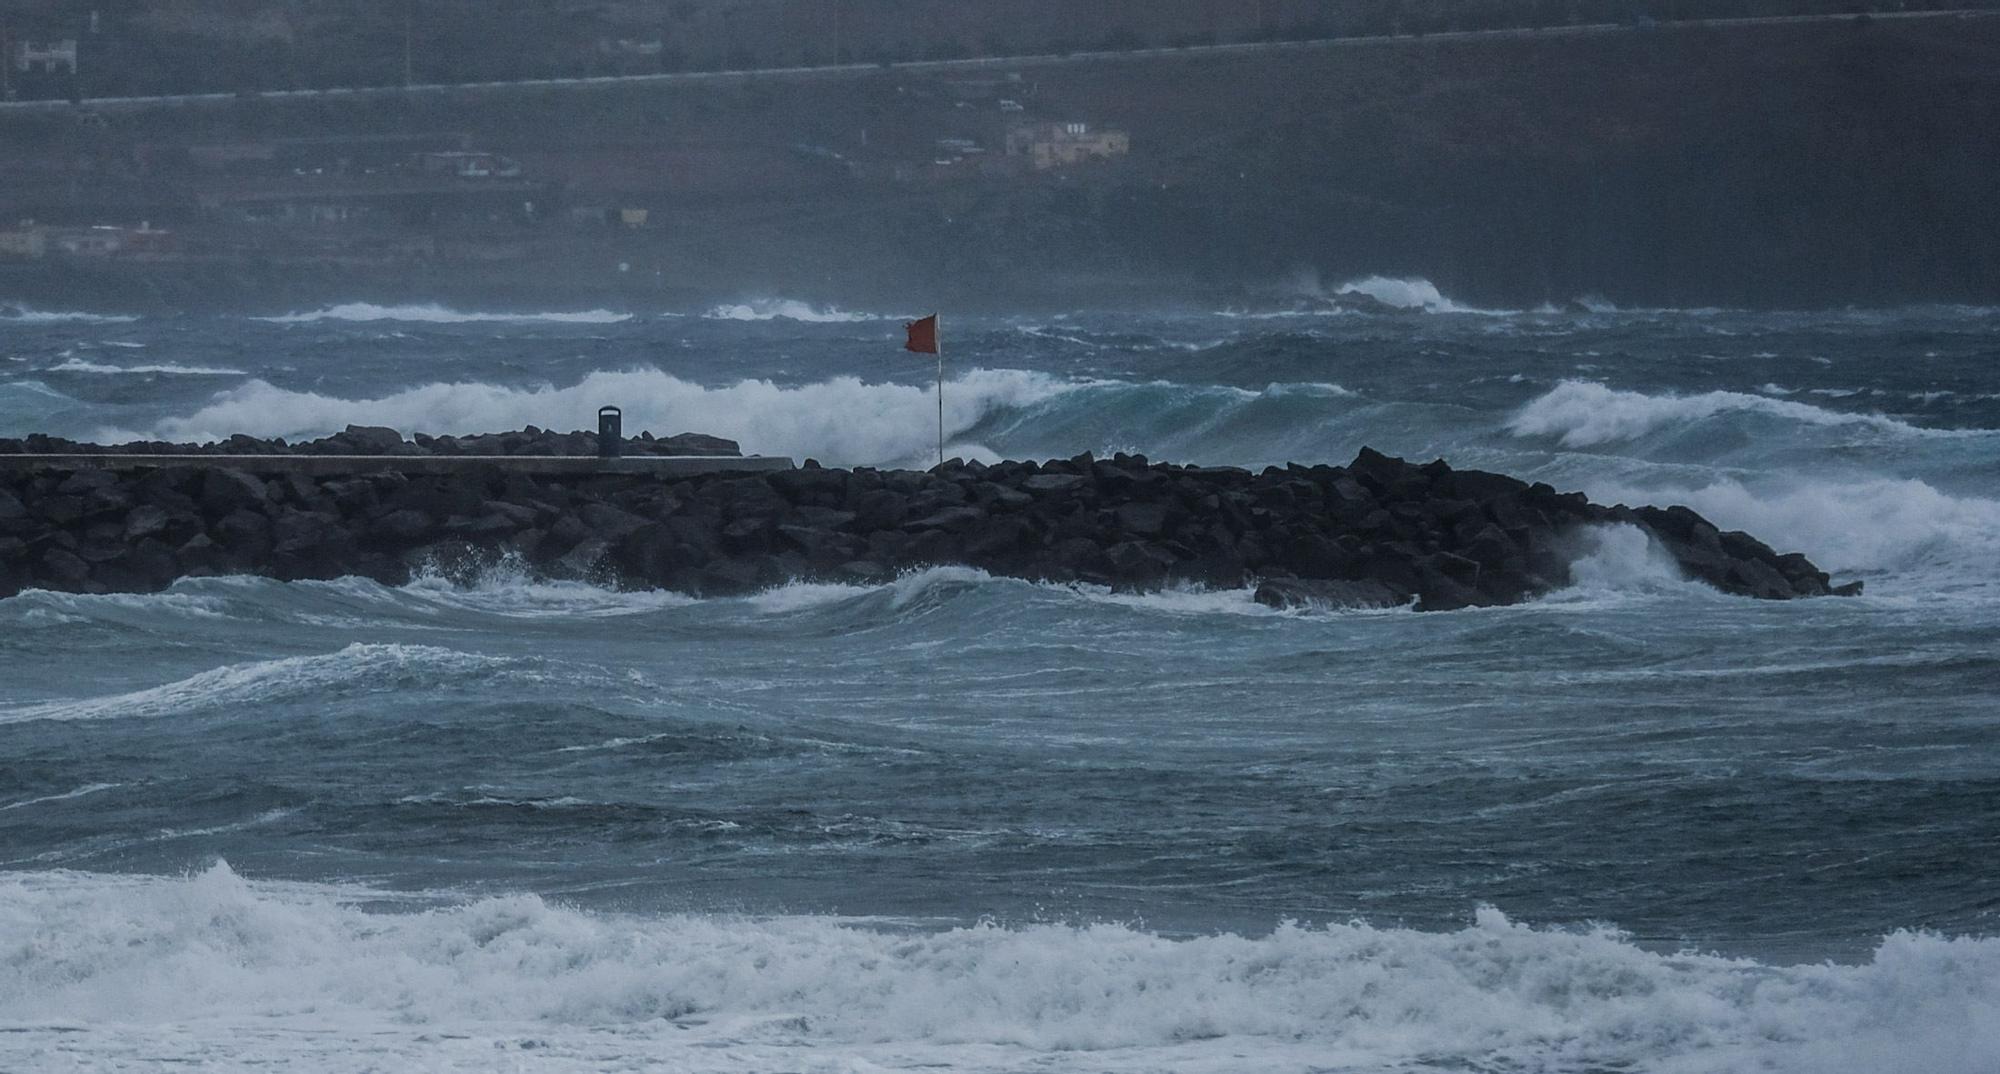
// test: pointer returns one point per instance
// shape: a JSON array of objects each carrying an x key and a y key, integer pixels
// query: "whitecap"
[
  {"x": 803, "y": 596},
  {"x": 322, "y": 965},
  {"x": 1405, "y": 293},
  {"x": 79, "y": 792},
  {"x": 511, "y": 588},
  {"x": 844, "y": 418},
  {"x": 22, "y": 315},
  {"x": 1859, "y": 524},
  {"x": 433, "y": 313},
  {"x": 1184, "y": 600},
  {"x": 788, "y": 309},
  {"x": 1618, "y": 563},
  {"x": 1584, "y": 413},
  {"x": 79, "y": 365}
]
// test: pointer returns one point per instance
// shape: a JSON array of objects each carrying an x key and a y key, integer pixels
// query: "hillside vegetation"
[{"x": 1806, "y": 164}]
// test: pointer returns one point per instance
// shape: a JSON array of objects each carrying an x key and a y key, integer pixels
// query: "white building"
[{"x": 48, "y": 57}]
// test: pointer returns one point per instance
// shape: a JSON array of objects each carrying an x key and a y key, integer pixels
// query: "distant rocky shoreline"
[{"x": 1378, "y": 532}]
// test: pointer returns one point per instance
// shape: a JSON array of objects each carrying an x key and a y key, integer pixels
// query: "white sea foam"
[
  {"x": 433, "y": 313},
  {"x": 1182, "y": 600},
  {"x": 359, "y": 667},
  {"x": 1307, "y": 389},
  {"x": 1862, "y": 524},
  {"x": 21, "y": 315},
  {"x": 1587, "y": 414},
  {"x": 930, "y": 582},
  {"x": 79, "y": 365},
  {"x": 804, "y": 596},
  {"x": 511, "y": 588},
  {"x": 1617, "y": 563},
  {"x": 903, "y": 590},
  {"x": 1040, "y": 332},
  {"x": 476, "y": 797},
  {"x": 844, "y": 419},
  {"x": 1623, "y": 557},
  {"x": 79, "y": 792},
  {"x": 249, "y": 973},
  {"x": 789, "y": 309},
  {"x": 1405, "y": 293}
]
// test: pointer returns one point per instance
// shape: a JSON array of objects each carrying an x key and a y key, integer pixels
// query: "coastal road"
[{"x": 851, "y": 70}]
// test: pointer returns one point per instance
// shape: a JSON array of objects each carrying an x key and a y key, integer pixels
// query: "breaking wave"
[
  {"x": 79, "y": 365},
  {"x": 989, "y": 414},
  {"x": 510, "y": 588},
  {"x": 1588, "y": 414},
  {"x": 23, "y": 315},
  {"x": 1857, "y": 525},
  {"x": 432, "y": 313},
  {"x": 844, "y": 419},
  {"x": 1622, "y": 561},
  {"x": 1409, "y": 293},
  {"x": 933, "y": 583},
  {"x": 788, "y": 309},
  {"x": 360, "y": 667},
  {"x": 95, "y": 953}
]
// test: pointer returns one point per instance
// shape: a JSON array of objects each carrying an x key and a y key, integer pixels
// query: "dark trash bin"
[{"x": 610, "y": 432}]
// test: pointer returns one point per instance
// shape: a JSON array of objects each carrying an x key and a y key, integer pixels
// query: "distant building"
[
  {"x": 469, "y": 165},
  {"x": 102, "y": 240},
  {"x": 45, "y": 58},
  {"x": 328, "y": 212},
  {"x": 1058, "y": 145},
  {"x": 98, "y": 240}
]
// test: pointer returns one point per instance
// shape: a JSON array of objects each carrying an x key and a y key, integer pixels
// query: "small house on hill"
[{"x": 1058, "y": 145}]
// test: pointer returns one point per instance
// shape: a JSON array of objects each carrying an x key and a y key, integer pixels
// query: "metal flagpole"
[{"x": 940, "y": 358}]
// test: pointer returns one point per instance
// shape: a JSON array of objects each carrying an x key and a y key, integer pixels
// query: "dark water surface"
[{"x": 986, "y": 824}]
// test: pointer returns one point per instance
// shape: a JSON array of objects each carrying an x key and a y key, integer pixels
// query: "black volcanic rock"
[{"x": 1380, "y": 532}]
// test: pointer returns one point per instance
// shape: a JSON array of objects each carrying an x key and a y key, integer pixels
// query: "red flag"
[{"x": 923, "y": 335}]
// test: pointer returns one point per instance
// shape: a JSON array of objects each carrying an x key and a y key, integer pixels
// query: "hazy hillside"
[
  {"x": 186, "y": 46},
  {"x": 1847, "y": 161}
]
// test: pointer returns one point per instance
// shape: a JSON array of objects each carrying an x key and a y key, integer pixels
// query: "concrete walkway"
[{"x": 329, "y": 465}]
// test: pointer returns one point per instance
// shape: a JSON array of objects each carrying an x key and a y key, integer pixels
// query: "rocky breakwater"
[
  {"x": 377, "y": 440},
  {"x": 1377, "y": 532}
]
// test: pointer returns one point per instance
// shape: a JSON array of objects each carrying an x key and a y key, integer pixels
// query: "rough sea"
[{"x": 970, "y": 823}]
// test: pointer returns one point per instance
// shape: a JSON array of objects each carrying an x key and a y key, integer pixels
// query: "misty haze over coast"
[
  {"x": 1513, "y": 156},
  {"x": 1098, "y": 748}
]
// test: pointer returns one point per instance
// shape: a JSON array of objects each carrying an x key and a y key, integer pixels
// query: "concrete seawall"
[
  {"x": 1378, "y": 532},
  {"x": 411, "y": 465}
]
